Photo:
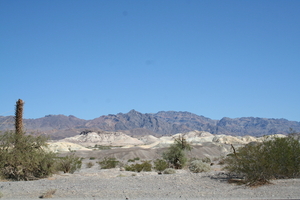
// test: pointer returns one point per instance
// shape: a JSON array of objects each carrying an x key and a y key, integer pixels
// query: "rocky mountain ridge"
[{"x": 158, "y": 124}]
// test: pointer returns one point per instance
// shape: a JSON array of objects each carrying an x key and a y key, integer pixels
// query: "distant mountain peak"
[{"x": 160, "y": 123}]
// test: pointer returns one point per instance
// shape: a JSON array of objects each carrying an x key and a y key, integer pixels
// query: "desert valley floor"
[{"x": 117, "y": 184}]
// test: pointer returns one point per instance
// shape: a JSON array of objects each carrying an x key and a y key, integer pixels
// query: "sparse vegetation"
[
  {"x": 176, "y": 153},
  {"x": 69, "y": 164},
  {"x": 169, "y": 171},
  {"x": 23, "y": 157},
  {"x": 108, "y": 163},
  {"x": 198, "y": 166},
  {"x": 133, "y": 160},
  {"x": 258, "y": 163},
  {"x": 101, "y": 147},
  {"x": 160, "y": 165},
  {"x": 138, "y": 167}
]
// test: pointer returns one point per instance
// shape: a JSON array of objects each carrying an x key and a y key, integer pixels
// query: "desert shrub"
[
  {"x": 176, "y": 153},
  {"x": 169, "y": 171},
  {"x": 175, "y": 156},
  {"x": 89, "y": 164},
  {"x": 69, "y": 164},
  {"x": 129, "y": 168},
  {"x": 138, "y": 167},
  {"x": 198, "y": 166},
  {"x": 23, "y": 157},
  {"x": 258, "y": 163},
  {"x": 92, "y": 158},
  {"x": 108, "y": 163},
  {"x": 160, "y": 165},
  {"x": 101, "y": 147},
  {"x": 206, "y": 160},
  {"x": 133, "y": 160}
]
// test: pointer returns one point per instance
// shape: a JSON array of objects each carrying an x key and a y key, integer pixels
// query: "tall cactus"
[{"x": 19, "y": 117}]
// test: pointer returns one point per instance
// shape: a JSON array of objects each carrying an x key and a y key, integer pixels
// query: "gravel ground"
[{"x": 92, "y": 183}]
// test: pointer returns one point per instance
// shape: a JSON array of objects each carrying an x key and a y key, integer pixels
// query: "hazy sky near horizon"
[{"x": 98, "y": 57}]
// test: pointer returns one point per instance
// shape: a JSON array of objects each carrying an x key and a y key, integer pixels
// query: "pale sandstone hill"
[
  {"x": 57, "y": 147},
  {"x": 198, "y": 138},
  {"x": 103, "y": 138}
]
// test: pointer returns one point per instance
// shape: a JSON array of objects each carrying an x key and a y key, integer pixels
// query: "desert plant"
[
  {"x": 258, "y": 163},
  {"x": 175, "y": 156},
  {"x": 160, "y": 165},
  {"x": 69, "y": 164},
  {"x": 89, "y": 164},
  {"x": 26, "y": 160},
  {"x": 108, "y": 163},
  {"x": 92, "y": 158},
  {"x": 138, "y": 167},
  {"x": 169, "y": 171},
  {"x": 198, "y": 166},
  {"x": 19, "y": 117},
  {"x": 176, "y": 153},
  {"x": 101, "y": 147}
]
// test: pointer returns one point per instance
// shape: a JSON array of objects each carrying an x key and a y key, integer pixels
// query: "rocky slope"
[{"x": 157, "y": 124}]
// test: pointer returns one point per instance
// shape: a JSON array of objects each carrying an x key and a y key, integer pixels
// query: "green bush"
[
  {"x": 169, "y": 171},
  {"x": 198, "y": 166},
  {"x": 258, "y": 163},
  {"x": 133, "y": 160},
  {"x": 160, "y": 165},
  {"x": 101, "y": 147},
  {"x": 69, "y": 164},
  {"x": 108, "y": 163},
  {"x": 176, "y": 153},
  {"x": 144, "y": 166},
  {"x": 175, "y": 156},
  {"x": 23, "y": 157}
]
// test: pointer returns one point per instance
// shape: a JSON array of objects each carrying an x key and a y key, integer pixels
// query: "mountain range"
[{"x": 162, "y": 123}]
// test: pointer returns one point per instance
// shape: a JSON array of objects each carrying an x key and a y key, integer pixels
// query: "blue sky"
[{"x": 98, "y": 57}]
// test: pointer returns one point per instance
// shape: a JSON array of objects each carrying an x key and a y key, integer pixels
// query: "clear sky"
[{"x": 89, "y": 58}]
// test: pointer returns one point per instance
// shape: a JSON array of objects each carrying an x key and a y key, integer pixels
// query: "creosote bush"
[
  {"x": 23, "y": 157},
  {"x": 198, "y": 166},
  {"x": 69, "y": 164},
  {"x": 145, "y": 166},
  {"x": 108, "y": 163},
  {"x": 169, "y": 171},
  {"x": 160, "y": 165},
  {"x": 259, "y": 163}
]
